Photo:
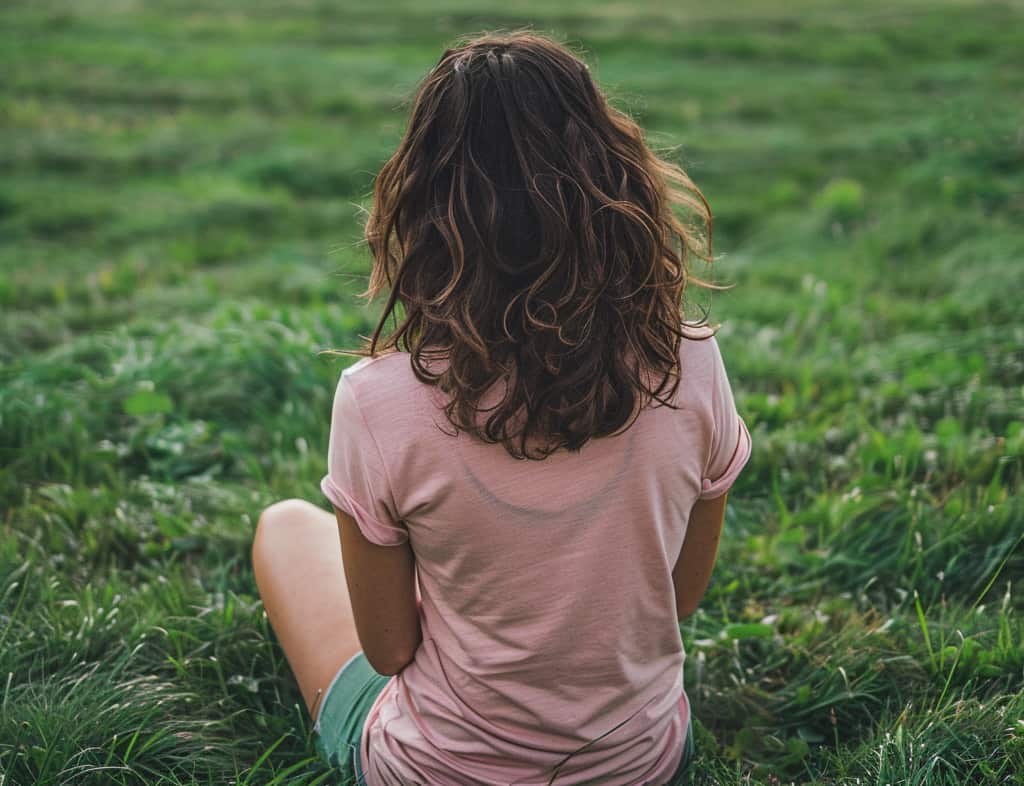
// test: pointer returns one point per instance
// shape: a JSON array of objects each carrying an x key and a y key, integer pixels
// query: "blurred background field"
[{"x": 180, "y": 212}]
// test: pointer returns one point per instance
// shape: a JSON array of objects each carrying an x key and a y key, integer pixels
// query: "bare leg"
[{"x": 296, "y": 556}]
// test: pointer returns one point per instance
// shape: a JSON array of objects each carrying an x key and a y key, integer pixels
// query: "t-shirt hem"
[
  {"x": 375, "y": 531},
  {"x": 369, "y": 779},
  {"x": 718, "y": 487}
]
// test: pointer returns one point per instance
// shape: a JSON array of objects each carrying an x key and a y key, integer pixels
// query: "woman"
[{"x": 504, "y": 604}]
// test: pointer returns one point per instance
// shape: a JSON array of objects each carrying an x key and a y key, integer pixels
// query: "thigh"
[{"x": 301, "y": 578}]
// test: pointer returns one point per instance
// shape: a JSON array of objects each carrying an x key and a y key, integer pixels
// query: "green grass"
[{"x": 180, "y": 210}]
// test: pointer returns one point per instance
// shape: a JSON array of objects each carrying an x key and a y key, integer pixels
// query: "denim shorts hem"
[
  {"x": 344, "y": 708},
  {"x": 326, "y": 693}
]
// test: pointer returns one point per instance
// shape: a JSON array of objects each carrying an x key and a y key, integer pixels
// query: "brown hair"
[{"x": 527, "y": 231}]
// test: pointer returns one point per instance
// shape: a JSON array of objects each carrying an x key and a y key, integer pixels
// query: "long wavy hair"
[{"x": 527, "y": 232}]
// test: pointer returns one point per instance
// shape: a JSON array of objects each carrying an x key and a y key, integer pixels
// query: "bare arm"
[
  {"x": 696, "y": 560},
  {"x": 382, "y": 589}
]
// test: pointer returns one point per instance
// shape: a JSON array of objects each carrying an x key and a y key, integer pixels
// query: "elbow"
[
  {"x": 384, "y": 671},
  {"x": 391, "y": 654},
  {"x": 390, "y": 667},
  {"x": 682, "y": 612},
  {"x": 390, "y": 664}
]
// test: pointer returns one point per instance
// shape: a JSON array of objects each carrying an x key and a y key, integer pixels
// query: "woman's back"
[{"x": 548, "y": 607}]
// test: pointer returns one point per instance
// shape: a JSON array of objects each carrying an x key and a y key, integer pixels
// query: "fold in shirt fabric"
[{"x": 551, "y": 650}]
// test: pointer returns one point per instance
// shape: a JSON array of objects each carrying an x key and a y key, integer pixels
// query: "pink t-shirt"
[{"x": 550, "y": 639}]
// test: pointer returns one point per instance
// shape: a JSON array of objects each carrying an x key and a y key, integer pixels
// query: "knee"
[{"x": 273, "y": 525}]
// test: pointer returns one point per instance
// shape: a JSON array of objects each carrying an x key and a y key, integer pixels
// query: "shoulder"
[
  {"x": 361, "y": 386},
  {"x": 385, "y": 390},
  {"x": 371, "y": 376},
  {"x": 699, "y": 347},
  {"x": 394, "y": 409},
  {"x": 698, "y": 337},
  {"x": 697, "y": 332},
  {"x": 381, "y": 362},
  {"x": 700, "y": 362}
]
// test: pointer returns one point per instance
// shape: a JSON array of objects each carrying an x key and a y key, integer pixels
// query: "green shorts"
[{"x": 346, "y": 705}]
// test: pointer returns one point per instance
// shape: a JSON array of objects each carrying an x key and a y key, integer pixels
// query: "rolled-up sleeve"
[
  {"x": 730, "y": 440},
  {"x": 357, "y": 481}
]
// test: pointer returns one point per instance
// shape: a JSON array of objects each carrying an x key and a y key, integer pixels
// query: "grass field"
[{"x": 180, "y": 215}]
